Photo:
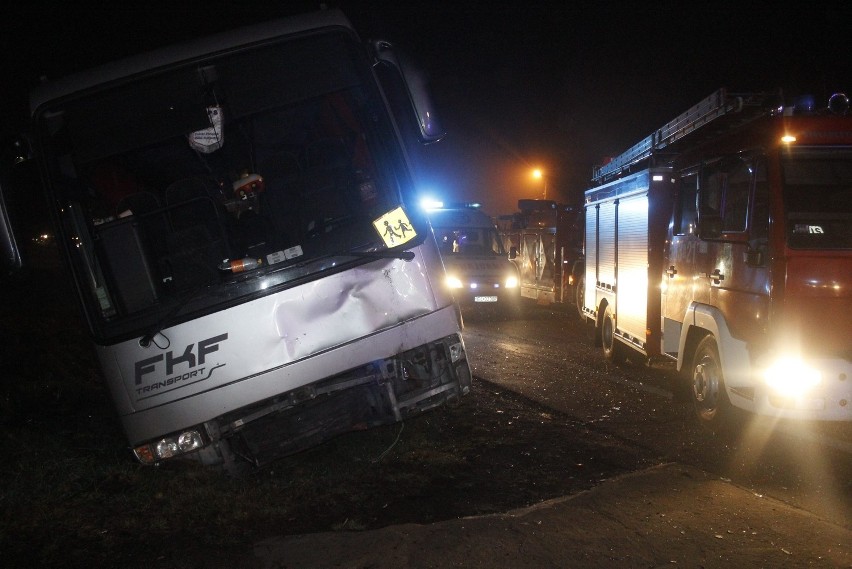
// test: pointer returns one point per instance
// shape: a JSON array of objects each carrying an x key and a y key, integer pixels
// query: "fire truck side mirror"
[
  {"x": 755, "y": 257},
  {"x": 709, "y": 224},
  {"x": 757, "y": 254}
]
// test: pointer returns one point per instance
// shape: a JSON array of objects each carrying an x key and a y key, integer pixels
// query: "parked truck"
[
  {"x": 478, "y": 269},
  {"x": 238, "y": 219},
  {"x": 723, "y": 242},
  {"x": 545, "y": 240}
]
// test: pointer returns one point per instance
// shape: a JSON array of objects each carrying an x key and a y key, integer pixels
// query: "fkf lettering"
[{"x": 194, "y": 359}]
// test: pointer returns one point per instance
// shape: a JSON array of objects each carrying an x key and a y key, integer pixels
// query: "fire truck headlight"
[
  {"x": 511, "y": 282},
  {"x": 791, "y": 377},
  {"x": 170, "y": 447},
  {"x": 453, "y": 282}
]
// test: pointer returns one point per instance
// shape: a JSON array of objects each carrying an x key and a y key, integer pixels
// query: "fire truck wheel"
[
  {"x": 612, "y": 348},
  {"x": 579, "y": 289},
  {"x": 712, "y": 407}
]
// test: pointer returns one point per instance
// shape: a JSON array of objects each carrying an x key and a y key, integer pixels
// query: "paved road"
[
  {"x": 777, "y": 497},
  {"x": 548, "y": 356}
]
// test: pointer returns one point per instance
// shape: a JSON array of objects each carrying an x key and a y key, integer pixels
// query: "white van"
[{"x": 477, "y": 265}]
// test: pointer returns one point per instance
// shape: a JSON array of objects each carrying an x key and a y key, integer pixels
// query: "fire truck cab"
[{"x": 723, "y": 241}]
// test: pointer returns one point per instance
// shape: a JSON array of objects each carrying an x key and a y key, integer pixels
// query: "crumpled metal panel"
[{"x": 331, "y": 311}]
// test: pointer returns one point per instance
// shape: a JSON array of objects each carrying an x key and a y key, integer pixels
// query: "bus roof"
[{"x": 193, "y": 49}]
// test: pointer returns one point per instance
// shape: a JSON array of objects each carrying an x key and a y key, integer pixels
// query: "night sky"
[{"x": 553, "y": 85}]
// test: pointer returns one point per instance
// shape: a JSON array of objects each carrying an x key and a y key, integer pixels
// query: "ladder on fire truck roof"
[{"x": 728, "y": 109}]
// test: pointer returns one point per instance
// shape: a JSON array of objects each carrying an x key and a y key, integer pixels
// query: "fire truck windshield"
[{"x": 818, "y": 199}]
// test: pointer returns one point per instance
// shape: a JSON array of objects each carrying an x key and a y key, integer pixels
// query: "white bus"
[{"x": 237, "y": 217}]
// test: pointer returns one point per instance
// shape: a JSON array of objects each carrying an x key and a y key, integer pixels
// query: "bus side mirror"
[
  {"x": 415, "y": 85},
  {"x": 18, "y": 152},
  {"x": 8, "y": 244},
  {"x": 513, "y": 252}
]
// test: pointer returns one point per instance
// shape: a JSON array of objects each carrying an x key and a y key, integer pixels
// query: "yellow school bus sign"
[{"x": 395, "y": 228}]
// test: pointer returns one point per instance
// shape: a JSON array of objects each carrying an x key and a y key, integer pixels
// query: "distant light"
[
  {"x": 788, "y": 138},
  {"x": 805, "y": 104}
]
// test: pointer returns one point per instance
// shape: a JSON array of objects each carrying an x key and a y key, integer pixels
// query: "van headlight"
[
  {"x": 453, "y": 282},
  {"x": 511, "y": 282},
  {"x": 170, "y": 447},
  {"x": 791, "y": 376}
]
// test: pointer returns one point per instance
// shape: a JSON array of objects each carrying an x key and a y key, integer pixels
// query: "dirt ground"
[{"x": 496, "y": 480}]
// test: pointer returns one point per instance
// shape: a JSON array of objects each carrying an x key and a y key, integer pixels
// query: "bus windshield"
[
  {"x": 818, "y": 199},
  {"x": 203, "y": 185}
]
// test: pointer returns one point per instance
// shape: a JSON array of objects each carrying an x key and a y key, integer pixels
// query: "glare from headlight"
[
  {"x": 453, "y": 282},
  {"x": 511, "y": 282},
  {"x": 791, "y": 377}
]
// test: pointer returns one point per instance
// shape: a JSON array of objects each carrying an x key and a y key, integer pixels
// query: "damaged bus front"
[{"x": 236, "y": 213}]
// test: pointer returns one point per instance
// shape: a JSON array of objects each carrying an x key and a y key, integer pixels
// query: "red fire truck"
[{"x": 723, "y": 241}]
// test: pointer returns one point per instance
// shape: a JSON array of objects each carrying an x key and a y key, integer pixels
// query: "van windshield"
[
  {"x": 197, "y": 186},
  {"x": 467, "y": 241}
]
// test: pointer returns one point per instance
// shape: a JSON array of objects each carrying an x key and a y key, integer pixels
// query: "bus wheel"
[
  {"x": 612, "y": 349},
  {"x": 712, "y": 407}
]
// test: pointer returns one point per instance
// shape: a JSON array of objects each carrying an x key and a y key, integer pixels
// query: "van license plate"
[{"x": 485, "y": 299}]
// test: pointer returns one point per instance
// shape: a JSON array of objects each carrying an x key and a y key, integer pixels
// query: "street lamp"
[{"x": 539, "y": 175}]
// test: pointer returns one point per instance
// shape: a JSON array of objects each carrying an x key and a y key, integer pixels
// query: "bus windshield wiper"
[
  {"x": 180, "y": 303},
  {"x": 402, "y": 255}
]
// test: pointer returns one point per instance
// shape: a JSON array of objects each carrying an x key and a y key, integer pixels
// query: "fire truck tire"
[
  {"x": 579, "y": 290},
  {"x": 612, "y": 349},
  {"x": 712, "y": 407}
]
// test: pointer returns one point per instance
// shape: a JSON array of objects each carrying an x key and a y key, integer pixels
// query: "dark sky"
[{"x": 555, "y": 85}]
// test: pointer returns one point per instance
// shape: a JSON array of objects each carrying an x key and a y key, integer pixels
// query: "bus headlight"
[
  {"x": 170, "y": 447},
  {"x": 791, "y": 377},
  {"x": 511, "y": 282},
  {"x": 453, "y": 282}
]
